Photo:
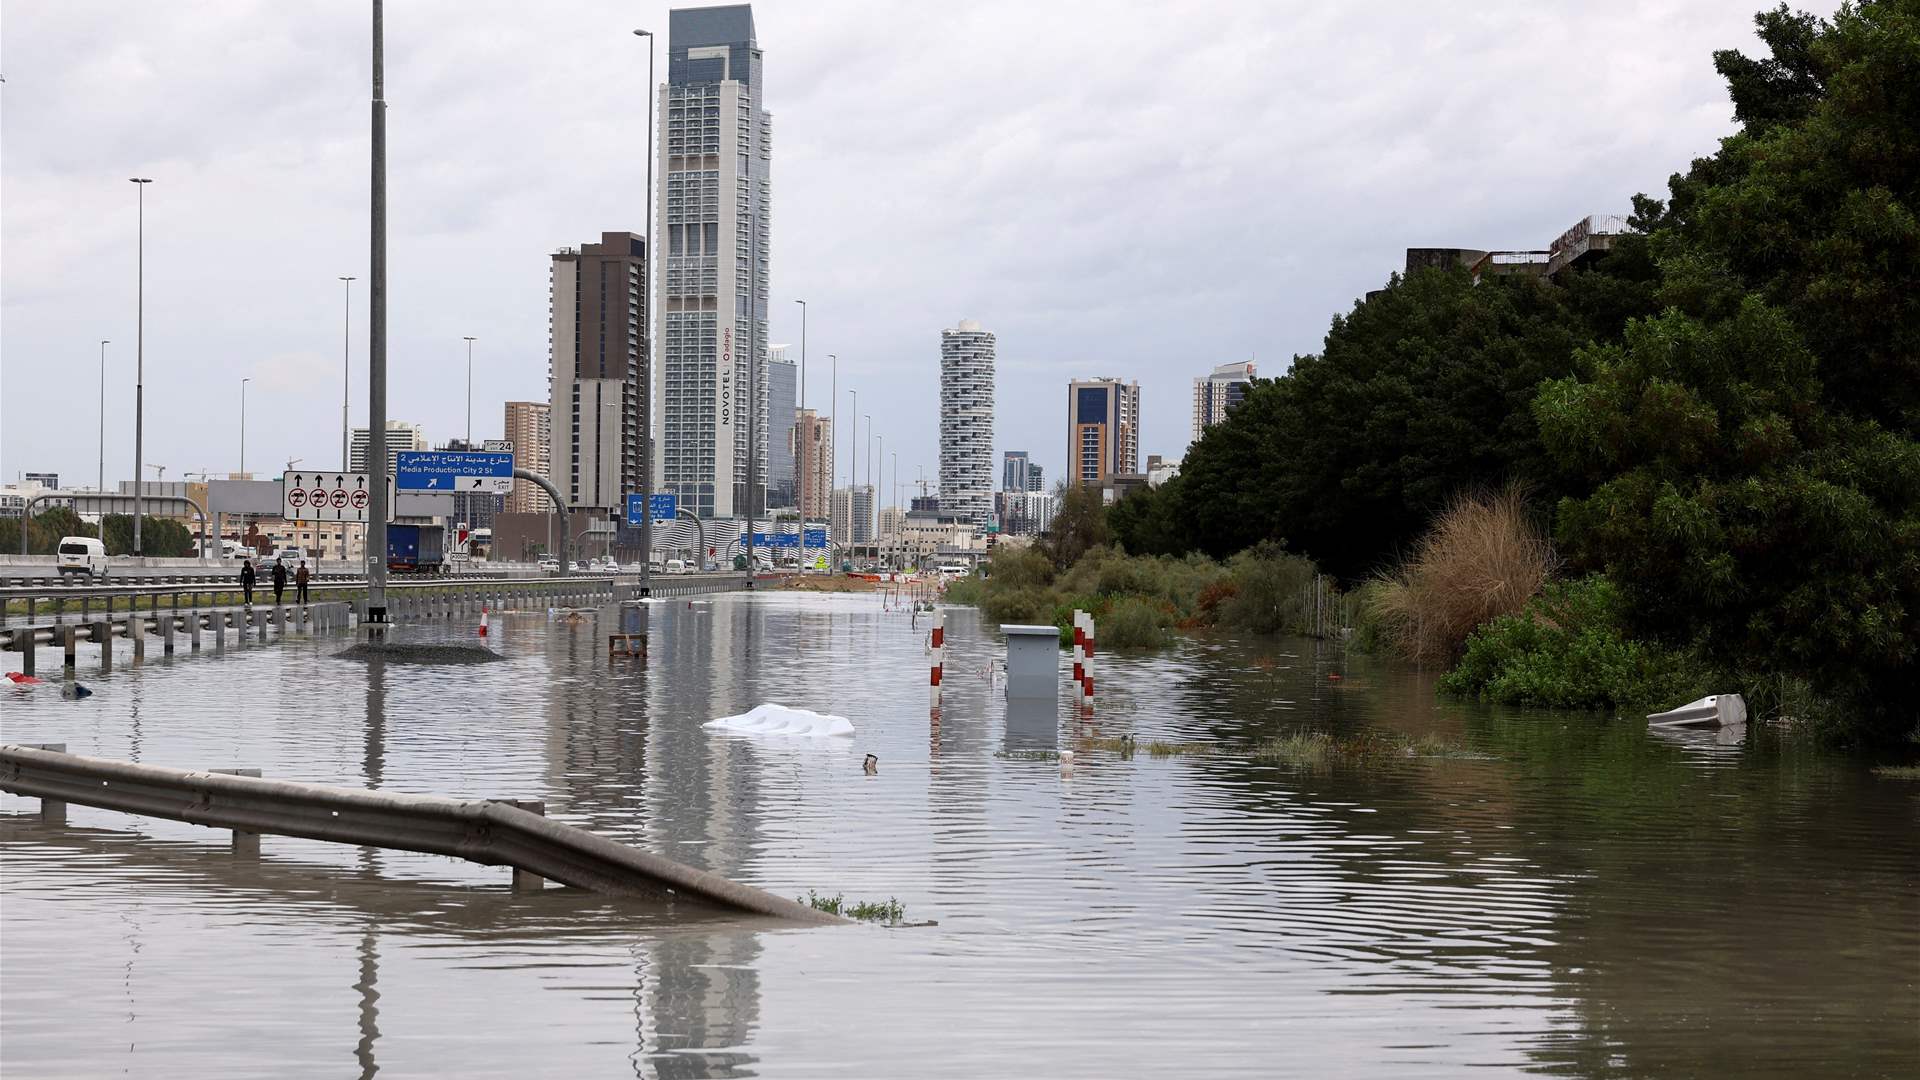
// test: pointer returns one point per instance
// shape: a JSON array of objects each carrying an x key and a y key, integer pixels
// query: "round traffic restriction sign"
[
  {"x": 318, "y": 497},
  {"x": 339, "y": 498},
  {"x": 359, "y": 499},
  {"x": 296, "y": 497}
]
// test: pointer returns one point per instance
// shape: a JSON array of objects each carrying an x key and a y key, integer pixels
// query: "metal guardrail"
[{"x": 482, "y": 831}]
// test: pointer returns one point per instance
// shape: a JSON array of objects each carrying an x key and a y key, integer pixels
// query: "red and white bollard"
[
  {"x": 1086, "y": 665},
  {"x": 1079, "y": 646},
  {"x": 483, "y": 620},
  {"x": 939, "y": 645}
]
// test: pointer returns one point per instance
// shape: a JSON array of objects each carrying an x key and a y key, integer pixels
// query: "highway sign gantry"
[
  {"x": 448, "y": 471},
  {"x": 328, "y": 496}
]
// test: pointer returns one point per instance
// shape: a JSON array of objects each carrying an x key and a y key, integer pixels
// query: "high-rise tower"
[
  {"x": 966, "y": 422},
  {"x": 1103, "y": 430},
  {"x": 715, "y": 153},
  {"x": 597, "y": 303},
  {"x": 1221, "y": 390}
]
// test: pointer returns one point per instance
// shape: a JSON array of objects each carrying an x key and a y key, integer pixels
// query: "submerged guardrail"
[{"x": 488, "y": 832}]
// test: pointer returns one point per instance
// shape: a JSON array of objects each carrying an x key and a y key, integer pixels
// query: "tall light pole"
[
  {"x": 101, "y": 483},
  {"x": 646, "y": 369},
  {"x": 874, "y": 499},
  {"x": 346, "y": 383},
  {"x": 377, "y": 339},
  {"x": 853, "y": 452},
  {"x": 139, "y": 355},
  {"x": 469, "y": 341},
  {"x": 833, "y": 440},
  {"x": 243, "y": 425},
  {"x": 801, "y": 474}
]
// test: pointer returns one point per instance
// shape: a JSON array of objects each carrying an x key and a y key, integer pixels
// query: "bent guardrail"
[{"x": 478, "y": 830}]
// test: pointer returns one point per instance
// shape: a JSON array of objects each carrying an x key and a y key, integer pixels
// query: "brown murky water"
[{"x": 1586, "y": 900}]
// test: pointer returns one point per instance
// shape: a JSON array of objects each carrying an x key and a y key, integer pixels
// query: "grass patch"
[
  {"x": 888, "y": 912},
  {"x": 1320, "y": 749},
  {"x": 1898, "y": 772},
  {"x": 1127, "y": 746}
]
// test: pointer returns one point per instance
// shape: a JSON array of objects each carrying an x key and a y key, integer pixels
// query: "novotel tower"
[{"x": 715, "y": 150}]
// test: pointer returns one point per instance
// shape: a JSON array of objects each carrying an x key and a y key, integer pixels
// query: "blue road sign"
[
  {"x": 665, "y": 506},
  {"x": 453, "y": 470},
  {"x": 816, "y": 538}
]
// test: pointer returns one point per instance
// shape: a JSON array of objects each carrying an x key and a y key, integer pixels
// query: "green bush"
[
  {"x": 1567, "y": 649},
  {"x": 1133, "y": 623},
  {"x": 967, "y": 590},
  {"x": 1272, "y": 591},
  {"x": 1025, "y": 604}
]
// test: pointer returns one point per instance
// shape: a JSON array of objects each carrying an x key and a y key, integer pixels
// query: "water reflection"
[{"x": 1586, "y": 899}]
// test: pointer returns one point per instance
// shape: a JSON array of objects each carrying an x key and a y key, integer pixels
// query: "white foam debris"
[{"x": 775, "y": 719}]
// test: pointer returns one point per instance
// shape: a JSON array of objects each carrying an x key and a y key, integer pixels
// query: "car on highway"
[{"x": 82, "y": 555}]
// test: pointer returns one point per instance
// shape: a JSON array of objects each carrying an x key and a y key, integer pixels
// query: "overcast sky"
[{"x": 1137, "y": 190}]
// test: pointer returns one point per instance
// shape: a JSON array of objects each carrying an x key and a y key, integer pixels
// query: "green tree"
[
  {"x": 160, "y": 537},
  {"x": 1745, "y": 464},
  {"x": 1422, "y": 391},
  {"x": 1079, "y": 524},
  {"x": 1148, "y": 521}
]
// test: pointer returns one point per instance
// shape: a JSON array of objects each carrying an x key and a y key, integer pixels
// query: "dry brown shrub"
[{"x": 1483, "y": 558}]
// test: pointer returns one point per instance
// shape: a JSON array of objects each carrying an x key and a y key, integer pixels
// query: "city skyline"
[{"x": 463, "y": 195}]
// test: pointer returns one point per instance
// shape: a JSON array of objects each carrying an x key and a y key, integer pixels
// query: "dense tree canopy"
[
  {"x": 1745, "y": 463},
  {"x": 1422, "y": 390}
]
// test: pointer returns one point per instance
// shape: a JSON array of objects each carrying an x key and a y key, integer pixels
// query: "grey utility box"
[{"x": 1033, "y": 661}]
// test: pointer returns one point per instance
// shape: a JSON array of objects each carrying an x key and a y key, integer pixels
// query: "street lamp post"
[
  {"x": 346, "y": 384},
  {"x": 101, "y": 483},
  {"x": 872, "y": 522},
  {"x": 801, "y": 473},
  {"x": 243, "y": 425},
  {"x": 376, "y": 611},
  {"x": 469, "y": 341},
  {"x": 646, "y": 394},
  {"x": 139, "y": 355}
]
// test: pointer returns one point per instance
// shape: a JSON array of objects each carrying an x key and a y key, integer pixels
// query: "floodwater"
[{"x": 1584, "y": 900}]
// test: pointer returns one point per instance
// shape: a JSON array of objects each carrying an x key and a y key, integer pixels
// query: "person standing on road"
[
  {"x": 300, "y": 583},
  {"x": 279, "y": 580},
  {"x": 246, "y": 580}
]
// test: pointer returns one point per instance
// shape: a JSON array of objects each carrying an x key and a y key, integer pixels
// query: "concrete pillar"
[
  {"x": 245, "y": 844},
  {"x": 260, "y": 625},
  {"x": 27, "y": 646},
  {"x": 52, "y": 811},
  {"x": 218, "y": 620},
  {"x": 193, "y": 628},
  {"x": 166, "y": 633},
  {"x": 300, "y": 617},
  {"x": 137, "y": 633},
  {"x": 67, "y": 634},
  {"x": 527, "y": 880}
]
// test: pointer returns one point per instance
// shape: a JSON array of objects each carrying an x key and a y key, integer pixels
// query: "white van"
[
  {"x": 82, "y": 555},
  {"x": 676, "y": 566}
]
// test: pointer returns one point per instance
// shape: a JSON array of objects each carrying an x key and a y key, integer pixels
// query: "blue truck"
[{"x": 416, "y": 549}]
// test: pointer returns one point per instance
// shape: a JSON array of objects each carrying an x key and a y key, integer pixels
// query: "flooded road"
[{"x": 1582, "y": 899}]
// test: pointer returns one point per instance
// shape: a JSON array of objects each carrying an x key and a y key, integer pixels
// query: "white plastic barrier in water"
[{"x": 774, "y": 719}]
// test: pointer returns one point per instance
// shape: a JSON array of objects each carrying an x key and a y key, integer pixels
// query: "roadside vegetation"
[
  {"x": 888, "y": 912},
  {"x": 161, "y": 537},
  {"x": 1717, "y": 438}
]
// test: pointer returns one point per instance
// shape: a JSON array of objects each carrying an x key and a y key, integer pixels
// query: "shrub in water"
[
  {"x": 1133, "y": 623},
  {"x": 1271, "y": 591},
  {"x": 1482, "y": 559},
  {"x": 1567, "y": 649}
]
